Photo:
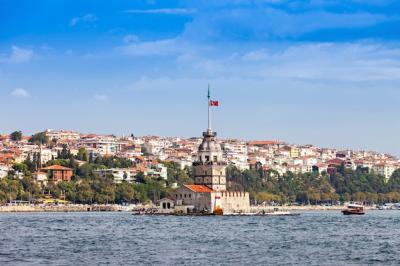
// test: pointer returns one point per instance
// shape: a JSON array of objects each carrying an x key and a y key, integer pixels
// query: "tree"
[
  {"x": 85, "y": 171},
  {"x": 16, "y": 135},
  {"x": 9, "y": 190},
  {"x": 177, "y": 175},
  {"x": 39, "y": 138},
  {"x": 394, "y": 181},
  {"x": 140, "y": 178},
  {"x": 84, "y": 193},
  {"x": 21, "y": 167},
  {"x": 29, "y": 163},
  {"x": 266, "y": 197},
  {"x": 82, "y": 155},
  {"x": 68, "y": 190},
  {"x": 30, "y": 187},
  {"x": 65, "y": 153},
  {"x": 124, "y": 193},
  {"x": 104, "y": 189}
]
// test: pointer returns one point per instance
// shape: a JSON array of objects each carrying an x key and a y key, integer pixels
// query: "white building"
[
  {"x": 103, "y": 145},
  {"x": 385, "y": 170},
  {"x": 61, "y": 135},
  {"x": 158, "y": 171},
  {"x": 4, "y": 170},
  {"x": 119, "y": 174}
]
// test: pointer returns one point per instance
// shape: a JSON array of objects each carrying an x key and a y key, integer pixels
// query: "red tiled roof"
[
  {"x": 335, "y": 161},
  {"x": 264, "y": 142},
  {"x": 198, "y": 188},
  {"x": 56, "y": 167}
]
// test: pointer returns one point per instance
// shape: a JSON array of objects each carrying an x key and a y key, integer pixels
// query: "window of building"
[
  {"x": 215, "y": 158},
  {"x": 207, "y": 158}
]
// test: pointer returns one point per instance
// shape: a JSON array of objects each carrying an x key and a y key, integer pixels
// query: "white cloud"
[
  {"x": 88, "y": 18},
  {"x": 165, "y": 11},
  {"x": 20, "y": 93},
  {"x": 159, "y": 47},
  {"x": 100, "y": 97},
  {"x": 322, "y": 62},
  {"x": 17, "y": 55}
]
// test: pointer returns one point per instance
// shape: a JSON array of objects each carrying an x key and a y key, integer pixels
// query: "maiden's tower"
[{"x": 208, "y": 194}]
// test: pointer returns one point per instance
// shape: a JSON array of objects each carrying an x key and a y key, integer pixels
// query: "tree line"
[
  {"x": 87, "y": 187},
  {"x": 316, "y": 188}
]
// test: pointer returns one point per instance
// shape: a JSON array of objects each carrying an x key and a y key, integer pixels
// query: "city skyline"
[{"x": 143, "y": 68}]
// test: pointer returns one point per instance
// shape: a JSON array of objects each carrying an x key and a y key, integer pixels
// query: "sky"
[{"x": 305, "y": 72}]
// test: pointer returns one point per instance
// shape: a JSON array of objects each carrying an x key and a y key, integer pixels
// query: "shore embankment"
[
  {"x": 58, "y": 208},
  {"x": 111, "y": 208},
  {"x": 292, "y": 208}
]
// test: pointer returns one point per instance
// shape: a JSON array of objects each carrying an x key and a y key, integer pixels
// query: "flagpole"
[{"x": 208, "y": 105}]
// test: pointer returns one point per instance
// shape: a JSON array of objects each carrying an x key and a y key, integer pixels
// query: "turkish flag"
[{"x": 214, "y": 103}]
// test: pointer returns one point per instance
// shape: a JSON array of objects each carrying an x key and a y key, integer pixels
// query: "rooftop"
[
  {"x": 56, "y": 167},
  {"x": 198, "y": 188}
]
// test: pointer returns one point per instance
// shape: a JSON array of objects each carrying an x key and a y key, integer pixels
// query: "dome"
[{"x": 209, "y": 145}]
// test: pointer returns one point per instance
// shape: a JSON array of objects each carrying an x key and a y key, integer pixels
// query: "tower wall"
[{"x": 209, "y": 169}]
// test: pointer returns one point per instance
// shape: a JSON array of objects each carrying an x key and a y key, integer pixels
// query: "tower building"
[
  {"x": 209, "y": 191},
  {"x": 209, "y": 168}
]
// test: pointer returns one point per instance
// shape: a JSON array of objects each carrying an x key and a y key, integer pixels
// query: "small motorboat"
[{"x": 354, "y": 209}]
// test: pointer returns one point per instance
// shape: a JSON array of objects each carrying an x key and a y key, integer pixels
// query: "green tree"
[
  {"x": 82, "y": 155},
  {"x": 16, "y": 135},
  {"x": 140, "y": 178},
  {"x": 84, "y": 193},
  {"x": 65, "y": 153},
  {"x": 30, "y": 187},
  {"x": 125, "y": 193},
  {"x": 39, "y": 138},
  {"x": 22, "y": 168},
  {"x": 394, "y": 181}
]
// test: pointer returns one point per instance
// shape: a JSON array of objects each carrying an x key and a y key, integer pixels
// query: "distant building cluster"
[{"x": 149, "y": 152}]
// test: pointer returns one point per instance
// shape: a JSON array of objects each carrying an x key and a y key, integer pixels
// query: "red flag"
[{"x": 214, "y": 103}]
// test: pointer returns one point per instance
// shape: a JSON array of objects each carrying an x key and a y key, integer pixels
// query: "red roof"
[
  {"x": 56, "y": 167},
  {"x": 198, "y": 188},
  {"x": 335, "y": 161},
  {"x": 264, "y": 142}
]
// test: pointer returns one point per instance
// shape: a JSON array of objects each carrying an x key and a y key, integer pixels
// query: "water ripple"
[{"x": 325, "y": 238}]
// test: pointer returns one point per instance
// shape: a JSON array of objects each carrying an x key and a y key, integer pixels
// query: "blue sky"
[{"x": 320, "y": 72}]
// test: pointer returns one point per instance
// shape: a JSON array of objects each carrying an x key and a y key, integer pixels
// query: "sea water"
[{"x": 313, "y": 238}]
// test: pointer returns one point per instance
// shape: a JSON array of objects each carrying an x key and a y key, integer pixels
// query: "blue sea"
[{"x": 313, "y": 238}]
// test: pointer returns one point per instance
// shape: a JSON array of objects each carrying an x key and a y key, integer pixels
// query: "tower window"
[
  {"x": 207, "y": 158},
  {"x": 215, "y": 158}
]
